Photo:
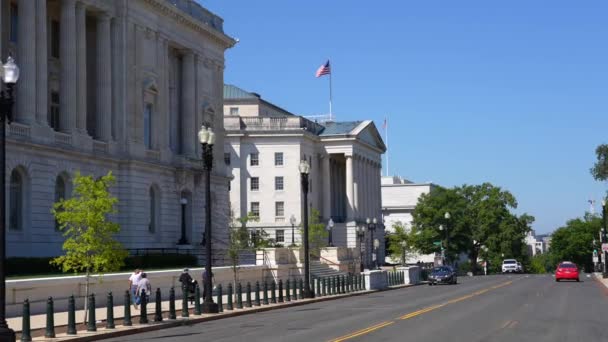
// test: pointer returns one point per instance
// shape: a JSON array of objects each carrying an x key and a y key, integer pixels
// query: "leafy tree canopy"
[
  {"x": 399, "y": 242},
  {"x": 574, "y": 241},
  {"x": 600, "y": 168}
]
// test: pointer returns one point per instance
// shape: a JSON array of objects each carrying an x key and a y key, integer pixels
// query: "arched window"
[
  {"x": 16, "y": 202},
  {"x": 153, "y": 210},
  {"x": 60, "y": 193}
]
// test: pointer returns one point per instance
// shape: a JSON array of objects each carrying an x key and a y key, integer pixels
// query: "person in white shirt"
[{"x": 133, "y": 284}]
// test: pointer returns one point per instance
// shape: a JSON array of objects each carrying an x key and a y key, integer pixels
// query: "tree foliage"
[
  {"x": 480, "y": 215},
  {"x": 239, "y": 242},
  {"x": 574, "y": 241},
  {"x": 600, "y": 168},
  {"x": 396, "y": 241},
  {"x": 89, "y": 244},
  {"x": 317, "y": 234}
]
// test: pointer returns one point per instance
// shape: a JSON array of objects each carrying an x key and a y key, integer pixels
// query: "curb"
[{"x": 106, "y": 334}]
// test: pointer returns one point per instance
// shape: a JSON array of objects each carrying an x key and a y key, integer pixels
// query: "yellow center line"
[{"x": 417, "y": 312}]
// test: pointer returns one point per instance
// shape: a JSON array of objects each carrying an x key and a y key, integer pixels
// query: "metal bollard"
[
  {"x": 71, "y": 316},
  {"x": 288, "y": 295},
  {"x": 143, "y": 310},
  {"x": 26, "y": 335},
  {"x": 323, "y": 289},
  {"x": 273, "y": 293},
  {"x": 343, "y": 284},
  {"x": 265, "y": 293},
  {"x": 185, "y": 312},
  {"x": 257, "y": 293},
  {"x": 220, "y": 298},
  {"x": 110, "y": 312},
  {"x": 348, "y": 283},
  {"x": 50, "y": 319},
  {"x": 91, "y": 324},
  {"x": 301, "y": 286},
  {"x": 248, "y": 303},
  {"x": 229, "y": 304},
  {"x": 172, "y": 314},
  {"x": 281, "y": 291},
  {"x": 239, "y": 296},
  {"x": 126, "y": 321},
  {"x": 158, "y": 311},
  {"x": 294, "y": 290},
  {"x": 197, "y": 300}
]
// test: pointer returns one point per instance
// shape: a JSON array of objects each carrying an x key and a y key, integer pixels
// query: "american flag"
[
  {"x": 384, "y": 124},
  {"x": 324, "y": 69}
]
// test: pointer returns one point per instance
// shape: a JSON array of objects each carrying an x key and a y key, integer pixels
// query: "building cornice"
[{"x": 178, "y": 15}]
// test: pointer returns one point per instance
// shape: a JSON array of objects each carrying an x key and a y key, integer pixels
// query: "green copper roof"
[
  {"x": 339, "y": 128},
  {"x": 235, "y": 93}
]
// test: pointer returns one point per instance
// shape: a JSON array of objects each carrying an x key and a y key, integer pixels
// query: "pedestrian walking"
[
  {"x": 133, "y": 284},
  {"x": 188, "y": 283},
  {"x": 144, "y": 284}
]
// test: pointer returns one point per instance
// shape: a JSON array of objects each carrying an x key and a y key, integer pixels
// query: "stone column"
[
  {"x": 188, "y": 104},
  {"x": 350, "y": 201},
  {"x": 26, "y": 60},
  {"x": 67, "y": 53},
  {"x": 41, "y": 64},
  {"x": 81, "y": 69},
  {"x": 325, "y": 169},
  {"x": 103, "y": 117}
]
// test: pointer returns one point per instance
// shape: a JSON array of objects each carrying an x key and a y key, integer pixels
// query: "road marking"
[
  {"x": 419, "y": 312},
  {"x": 363, "y": 331}
]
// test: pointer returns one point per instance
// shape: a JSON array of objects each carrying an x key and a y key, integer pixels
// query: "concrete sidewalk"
[
  {"x": 38, "y": 321},
  {"x": 599, "y": 278}
]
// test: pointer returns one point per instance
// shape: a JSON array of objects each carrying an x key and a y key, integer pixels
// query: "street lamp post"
[
  {"x": 330, "y": 228},
  {"x": 304, "y": 170},
  {"x": 447, "y": 236},
  {"x": 403, "y": 245},
  {"x": 207, "y": 138},
  {"x": 603, "y": 237},
  {"x": 10, "y": 74},
  {"x": 292, "y": 220},
  {"x": 360, "y": 236},
  {"x": 442, "y": 247},
  {"x": 182, "y": 239},
  {"x": 371, "y": 226}
]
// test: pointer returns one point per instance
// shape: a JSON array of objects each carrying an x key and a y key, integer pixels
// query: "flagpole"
[
  {"x": 386, "y": 138},
  {"x": 330, "y": 112}
]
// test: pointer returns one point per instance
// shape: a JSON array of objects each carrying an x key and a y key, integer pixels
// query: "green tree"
[
  {"x": 399, "y": 242},
  {"x": 239, "y": 241},
  {"x": 480, "y": 215},
  {"x": 574, "y": 241},
  {"x": 317, "y": 234},
  {"x": 89, "y": 244},
  {"x": 600, "y": 168}
]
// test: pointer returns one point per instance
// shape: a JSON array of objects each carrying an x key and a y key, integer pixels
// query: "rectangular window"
[
  {"x": 278, "y": 159},
  {"x": 278, "y": 183},
  {"x": 279, "y": 209},
  {"x": 54, "y": 111},
  {"x": 227, "y": 158},
  {"x": 55, "y": 39},
  {"x": 148, "y": 126},
  {"x": 254, "y": 159},
  {"x": 14, "y": 23},
  {"x": 255, "y": 184},
  {"x": 280, "y": 235},
  {"x": 255, "y": 209},
  {"x": 234, "y": 110}
]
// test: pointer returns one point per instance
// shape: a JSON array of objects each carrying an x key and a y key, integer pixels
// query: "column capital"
[{"x": 103, "y": 17}]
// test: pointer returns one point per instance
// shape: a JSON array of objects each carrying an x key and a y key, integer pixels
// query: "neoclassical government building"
[{"x": 121, "y": 86}]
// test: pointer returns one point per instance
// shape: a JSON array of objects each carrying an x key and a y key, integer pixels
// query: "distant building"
[
  {"x": 537, "y": 244},
  {"x": 263, "y": 148},
  {"x": 399, "y": 198}
]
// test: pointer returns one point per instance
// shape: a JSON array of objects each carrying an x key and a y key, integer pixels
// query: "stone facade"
[
  {"x": 345, "y": 160},
  {"x": 121, "y": 86}
]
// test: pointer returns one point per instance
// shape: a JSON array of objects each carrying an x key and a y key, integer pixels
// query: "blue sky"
[{"x": 510, "y": 92}]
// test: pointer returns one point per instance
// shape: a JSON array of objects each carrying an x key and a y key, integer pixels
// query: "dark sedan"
[{"x": 442, "y": 275}]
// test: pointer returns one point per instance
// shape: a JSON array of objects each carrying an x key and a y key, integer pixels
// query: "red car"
[{"x": 566, "y": 270}]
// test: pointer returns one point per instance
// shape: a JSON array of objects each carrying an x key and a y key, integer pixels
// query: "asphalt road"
[{"x": 494, "y": 308}]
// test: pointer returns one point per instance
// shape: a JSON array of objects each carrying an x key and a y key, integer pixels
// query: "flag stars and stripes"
[{"x": 324, "y": 69}]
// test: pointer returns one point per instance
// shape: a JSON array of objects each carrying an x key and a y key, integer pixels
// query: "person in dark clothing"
[{"x": 188, "y": 283}]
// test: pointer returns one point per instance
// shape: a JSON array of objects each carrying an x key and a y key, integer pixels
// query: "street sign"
[
  {"x": 595, "y": 259},
  {"x": 595, "y": 253},
  {"x": 605, "y": 247}
]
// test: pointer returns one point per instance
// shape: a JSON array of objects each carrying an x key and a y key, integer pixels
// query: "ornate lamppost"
[
  {"x": 304, "y": 170},
  {"x": 371, "y": 226},
  {"x": 360, "y": 236},
  {"x": 292, "y": 220},
  {"x": 10, "y": 74},
  {"x": 183, "y": 240},
  {"x": 207, "y": 138},
  {"x": 376, "y": 245},
  {"x": 330, "y": 228},
  {"x": 447, "y": 217}
]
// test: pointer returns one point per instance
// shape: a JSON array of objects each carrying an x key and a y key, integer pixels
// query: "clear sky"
[{"x": 510, "y": 92}]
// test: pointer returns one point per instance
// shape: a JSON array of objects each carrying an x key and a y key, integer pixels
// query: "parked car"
[
  {"x": 520, "y": 268},
  {"x": 566, "y": 270},
  {"x": 509, "y": 266},
  {"x": 443, "y": 274}
]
